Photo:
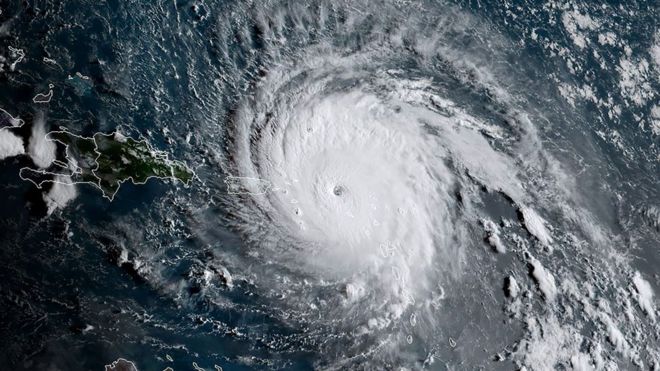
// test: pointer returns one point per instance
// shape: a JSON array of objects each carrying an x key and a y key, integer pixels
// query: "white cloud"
[
  {"x": 41, "y": 150},
  {"x": 644, "y": 295},
  {"x": 655, "y": 119},
  {"x": 536, "y": 225},
  {"x": 575, "y": 23},
  {"x": 655, "y": 53},
  {"x": 545, "y": 280},
  {"x": 62, "y": 192},
  {"x": 10, "y": 145}
]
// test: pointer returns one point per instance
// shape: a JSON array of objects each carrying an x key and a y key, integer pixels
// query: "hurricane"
[
  {"x": 378, "y": 147},
  {"x": 392, "y": 185}
]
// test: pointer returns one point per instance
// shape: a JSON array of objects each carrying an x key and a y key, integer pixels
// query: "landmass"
[
  {"x": 44, "y": 97},
  {"x": 81, "y": 84},
  {"x": 247, "y": 185},
  {"x": 106, "y": 161},
  {"x": 121, "y": 364},
  {"x": 9, "y": 121},
  {"x": 18, "y": 54}
]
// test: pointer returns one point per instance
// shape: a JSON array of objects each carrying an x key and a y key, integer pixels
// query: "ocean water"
[{"x": 379, "y": 185}]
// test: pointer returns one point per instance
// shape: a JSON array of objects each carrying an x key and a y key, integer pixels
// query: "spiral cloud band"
[
  {"x": 359, "y": 175},
  {"x": 388, "y": 174}
]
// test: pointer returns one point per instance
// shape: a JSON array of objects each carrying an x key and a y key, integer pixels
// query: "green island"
[{"x": 108, "y": 160}]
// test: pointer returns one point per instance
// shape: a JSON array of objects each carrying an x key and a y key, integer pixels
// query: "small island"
[{"x": 107, "y": 161}]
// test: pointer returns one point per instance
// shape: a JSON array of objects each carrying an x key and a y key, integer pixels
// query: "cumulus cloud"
[
  {"x": 536, "y": 225},
  {"x": 544, "y": 279},
  {"x": 62, "y": 192},
  {"x": 41, "y": 150},
  {"x": 10, "y": 145},
  {"x": 644, "y": 295}
]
